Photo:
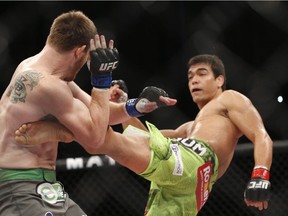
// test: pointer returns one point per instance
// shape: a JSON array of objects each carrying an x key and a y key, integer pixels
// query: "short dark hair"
[{"x": 215, "y": 63}]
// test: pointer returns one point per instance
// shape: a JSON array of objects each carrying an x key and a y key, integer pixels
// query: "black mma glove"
[
  {"x": 102, "y": 62},
  {"x": 136, "y": 107},
  {"x": 258, "y": 188}
]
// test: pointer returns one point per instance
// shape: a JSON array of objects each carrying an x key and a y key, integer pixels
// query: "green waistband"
[{"x": 28, "y": 174}]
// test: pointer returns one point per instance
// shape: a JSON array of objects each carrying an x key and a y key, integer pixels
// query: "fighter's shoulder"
[
  {"x": 26, "y": 79},
  {"x": 232, "y": 94},
  {"x": 39, "y": 83},
  {"x": 54, "y": 87},
  {"x": 232, "y": 97}
]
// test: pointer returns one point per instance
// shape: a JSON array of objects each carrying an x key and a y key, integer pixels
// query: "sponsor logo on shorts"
[
  {"x": 48, "y": 214},
  {"x": 193, "y": 145},
  {"x": 51, "y": 193},
  {"x": 203, "y": 183},
  {"x": 178, "y": 169}
]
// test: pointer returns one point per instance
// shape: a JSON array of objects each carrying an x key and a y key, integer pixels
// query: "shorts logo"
[
  {"x": 203, "y": 183},
  {"x": 51, "y": 193},
  {"x": 178, "y": 169},
  {"x": 193, "y": 145},
  {"x": 48, "y": 214}
]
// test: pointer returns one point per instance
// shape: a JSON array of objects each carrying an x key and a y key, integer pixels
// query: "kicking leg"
[{"x": 41, "y": 132}]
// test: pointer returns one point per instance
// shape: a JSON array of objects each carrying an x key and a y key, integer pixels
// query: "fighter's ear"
[
  {"x": 220, "y": 81},
  {"x": 79, "y": 51}
]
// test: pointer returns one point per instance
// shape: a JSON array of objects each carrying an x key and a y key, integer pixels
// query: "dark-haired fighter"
[{"x": 183, "y": 164}]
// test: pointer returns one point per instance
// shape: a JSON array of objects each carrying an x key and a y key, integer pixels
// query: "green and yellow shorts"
[{"x": 182, "y": 172}]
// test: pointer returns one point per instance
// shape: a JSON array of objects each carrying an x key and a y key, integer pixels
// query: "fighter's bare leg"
[{"x": 41, "y": 132}]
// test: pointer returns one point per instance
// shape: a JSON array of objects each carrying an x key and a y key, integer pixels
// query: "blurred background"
[{"x": 155, "y": 40}]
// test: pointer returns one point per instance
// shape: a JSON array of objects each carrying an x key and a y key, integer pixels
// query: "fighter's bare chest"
[{"x": 211, "y": 109}]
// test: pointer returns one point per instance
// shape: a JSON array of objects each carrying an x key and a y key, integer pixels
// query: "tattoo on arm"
[{"x": 24, "y": 81}]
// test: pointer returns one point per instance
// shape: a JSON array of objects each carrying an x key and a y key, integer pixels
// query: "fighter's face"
[{"x": 202, "y": 83}]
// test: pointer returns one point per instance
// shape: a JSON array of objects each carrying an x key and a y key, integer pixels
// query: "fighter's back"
[{"x": 20, "y": 104}]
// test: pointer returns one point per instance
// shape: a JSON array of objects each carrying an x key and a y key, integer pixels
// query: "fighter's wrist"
[
  {"x": 101, "y": 80},
  {"x": 260, "y": 166},
  {"x": 261, "y": 172},
  {"x": 130, "y": 107}
]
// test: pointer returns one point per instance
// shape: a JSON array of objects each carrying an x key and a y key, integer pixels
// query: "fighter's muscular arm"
[
  {"x": 117, "y": 112},
  {"x": 247, "y": 119},
  {"x": 87, "y": 123}
]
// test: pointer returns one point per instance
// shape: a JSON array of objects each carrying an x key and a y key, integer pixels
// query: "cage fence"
[{"x": 102, "y": 187}]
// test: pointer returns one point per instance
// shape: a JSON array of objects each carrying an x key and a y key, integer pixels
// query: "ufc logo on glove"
[
  {"x": 108, "y": 66},
  {"x": 261, "y": 184}
]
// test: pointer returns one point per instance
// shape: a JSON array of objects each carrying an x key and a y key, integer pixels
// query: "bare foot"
[{"x": 42, "y": 132}]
